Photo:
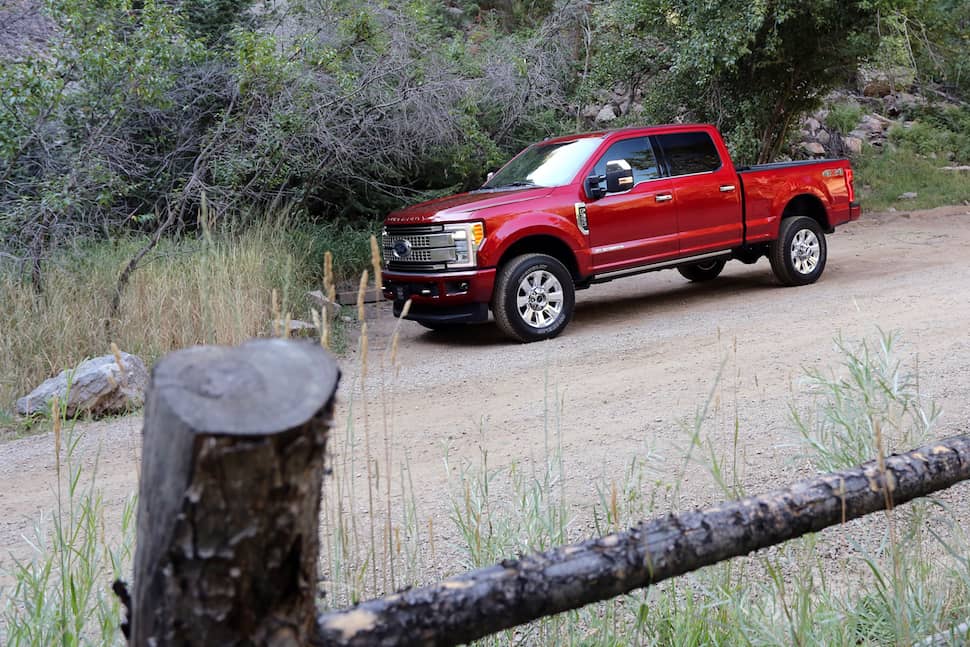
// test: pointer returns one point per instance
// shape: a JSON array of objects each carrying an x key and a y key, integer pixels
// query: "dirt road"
[{"x": 641, "y": 355}]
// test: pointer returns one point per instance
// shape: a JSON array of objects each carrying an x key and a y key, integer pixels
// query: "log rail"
[
  {"x": 229, "y": 501},
  {"x": 487, "y": 600}
]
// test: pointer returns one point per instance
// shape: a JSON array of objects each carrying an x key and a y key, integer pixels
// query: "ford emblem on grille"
[{"x": 401, "y": 248}]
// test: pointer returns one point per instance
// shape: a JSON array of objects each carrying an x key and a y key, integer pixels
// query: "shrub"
[{"x": 844, "y": 117}]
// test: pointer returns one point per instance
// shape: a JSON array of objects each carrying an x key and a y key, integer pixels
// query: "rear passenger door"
[
  {"x": 638, "y": 225},
  {"x": 706, "y": 193}
]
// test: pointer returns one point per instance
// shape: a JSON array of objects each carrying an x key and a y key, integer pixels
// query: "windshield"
[{"x": 545, "y": 165}]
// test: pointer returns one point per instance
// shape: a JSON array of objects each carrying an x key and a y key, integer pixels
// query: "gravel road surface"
[{"x": 639, "y": 358}]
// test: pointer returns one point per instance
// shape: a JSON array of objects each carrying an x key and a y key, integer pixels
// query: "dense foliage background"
[{"x": 124, "y": 115}]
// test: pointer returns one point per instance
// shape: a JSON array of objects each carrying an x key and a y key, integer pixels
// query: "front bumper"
[{"x": 442, "y": 297}]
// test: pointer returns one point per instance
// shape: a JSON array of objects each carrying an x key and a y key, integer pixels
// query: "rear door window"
[
  {"x": 689, "y": 153},
  {"x": 639, "y": 155}
]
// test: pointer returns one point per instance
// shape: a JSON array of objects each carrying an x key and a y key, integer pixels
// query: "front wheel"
[
  {"x": 798, "y": 256},
  {"x": 534, "y": 297},
  {"x": 703, "y": 271}
]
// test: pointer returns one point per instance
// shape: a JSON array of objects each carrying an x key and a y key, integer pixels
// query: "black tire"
[
  {"x": 798, "y": 256},
  {"x": 545, "y": 310},
  {"x": 703, "y": 271}
]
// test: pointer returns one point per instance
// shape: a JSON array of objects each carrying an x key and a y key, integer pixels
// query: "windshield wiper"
[{"x": 513, "y": 185}]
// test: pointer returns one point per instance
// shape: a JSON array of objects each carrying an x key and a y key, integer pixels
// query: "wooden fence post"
[{"x": 229, "y": 499}]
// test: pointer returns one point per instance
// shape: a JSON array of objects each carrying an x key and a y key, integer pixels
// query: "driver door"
[{"x": 636, "y": 226}]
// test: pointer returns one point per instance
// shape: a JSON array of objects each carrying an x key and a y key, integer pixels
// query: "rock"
[
  {"x": 870, "y": 124},
  {"x": 590, "y": 111},
  {"x": 956, "y": 169},
  {"x": 877, "y": 88},
  {"x": 879, "y": 82},
  {"x": 97, "y": 386},
  {"x": 812, "y": 124},
  {"x": 812, "y": 148},
  {"x": 823, "y": 137},
  {"x": 906, "y": 100},
  {"x": 605, "y": 114},
  {"x": 909, "y": 195},
  {"x": 853, "y": 145},
  {"x": 294, "y": 327},
  {"x": 322, "y": 303}
]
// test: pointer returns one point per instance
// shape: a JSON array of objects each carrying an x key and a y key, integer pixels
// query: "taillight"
[{"x": 848, "y": 183}]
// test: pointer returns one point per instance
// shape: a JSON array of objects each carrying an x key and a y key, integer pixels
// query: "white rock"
[
  {"x": 812, "y": 148},
  {"x": 853, "y": 144},
  {"x": 605, "y": 114},
  {"x": 812, "y": 124},
  {"x": 909, "y": 195},
  {"x": 870, "y": 124},
  {"x": 321, "y": 302},
  {"x": 98, "y": 386}
]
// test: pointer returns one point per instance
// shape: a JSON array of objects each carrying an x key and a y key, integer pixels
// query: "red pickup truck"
[{"x": 582, "y": 209}]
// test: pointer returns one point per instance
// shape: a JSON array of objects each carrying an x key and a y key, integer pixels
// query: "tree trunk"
[
  {"x": 229, "y": 499},
  {"x": 517, "y": 591}
]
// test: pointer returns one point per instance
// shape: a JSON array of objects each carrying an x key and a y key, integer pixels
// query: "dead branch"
[{"x": 516, "y": 591}]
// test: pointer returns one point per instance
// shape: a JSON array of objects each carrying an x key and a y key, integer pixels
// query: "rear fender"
[{"x": 804, "y": 200}]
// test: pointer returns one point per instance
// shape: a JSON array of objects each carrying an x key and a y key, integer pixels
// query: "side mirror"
[
  {"x": 619, "y": 176},
  {"x": 593, "y": 189}
]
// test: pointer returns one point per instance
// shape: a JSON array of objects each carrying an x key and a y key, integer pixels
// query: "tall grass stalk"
[
  {"x": 62, "y": 593},
  {"x": 873, "y": 406}
]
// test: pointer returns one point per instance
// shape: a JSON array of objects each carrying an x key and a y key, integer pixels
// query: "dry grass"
[{"x": 215, "y": 290}]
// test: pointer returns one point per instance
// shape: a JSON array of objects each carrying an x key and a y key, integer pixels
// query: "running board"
[{"x": 652, "y": 267}]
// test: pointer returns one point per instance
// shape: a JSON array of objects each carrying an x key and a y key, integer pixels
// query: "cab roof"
[{"x": 629, "y": 130}]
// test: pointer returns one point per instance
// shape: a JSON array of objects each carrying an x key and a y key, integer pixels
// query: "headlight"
[{"x": 468, "y": 238}]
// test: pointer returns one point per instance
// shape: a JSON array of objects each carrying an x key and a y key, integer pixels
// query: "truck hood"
[{"x": 456, "y": 208}]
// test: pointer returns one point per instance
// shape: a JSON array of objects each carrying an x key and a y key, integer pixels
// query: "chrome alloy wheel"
[
  {"x": 539, "y": 298},
  {"x": 805, "y": 251}
]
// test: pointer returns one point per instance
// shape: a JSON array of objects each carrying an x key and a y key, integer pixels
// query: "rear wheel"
[
  {"x": 704, "y": 271},
  {"x": 798, "y": 256},
  {"x": 534, "y": 297}
]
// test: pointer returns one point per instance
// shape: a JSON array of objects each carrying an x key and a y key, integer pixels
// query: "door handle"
[
  {"x": 664, "y": 197},
  {"x": 727, "y": 188}
]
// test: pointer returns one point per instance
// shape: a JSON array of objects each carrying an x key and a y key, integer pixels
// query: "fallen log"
[
  {"x": 516, "y": 591},
  {"x": 229, "y": 498}
]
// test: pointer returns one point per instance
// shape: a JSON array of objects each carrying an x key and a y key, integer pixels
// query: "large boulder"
[{"x": 97, "y": 386}]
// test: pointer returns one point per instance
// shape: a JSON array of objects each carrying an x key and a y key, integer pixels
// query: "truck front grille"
[{"x": 423, "y": 247}]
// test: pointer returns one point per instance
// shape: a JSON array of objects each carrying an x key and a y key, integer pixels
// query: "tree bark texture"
[
  {"x": 517, "y": 591},
  {"x": 229, "y": 498}
]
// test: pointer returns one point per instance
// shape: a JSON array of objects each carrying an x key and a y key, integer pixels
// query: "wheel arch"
[
  {"x": 808, "y": 205},
  {"x": 543, "y": 243}
]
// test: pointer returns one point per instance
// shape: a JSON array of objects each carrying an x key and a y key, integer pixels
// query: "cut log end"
[{"x": 262, "y": 387}]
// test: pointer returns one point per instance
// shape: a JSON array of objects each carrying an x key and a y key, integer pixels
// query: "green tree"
[{"x": 749, "y": 67}]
